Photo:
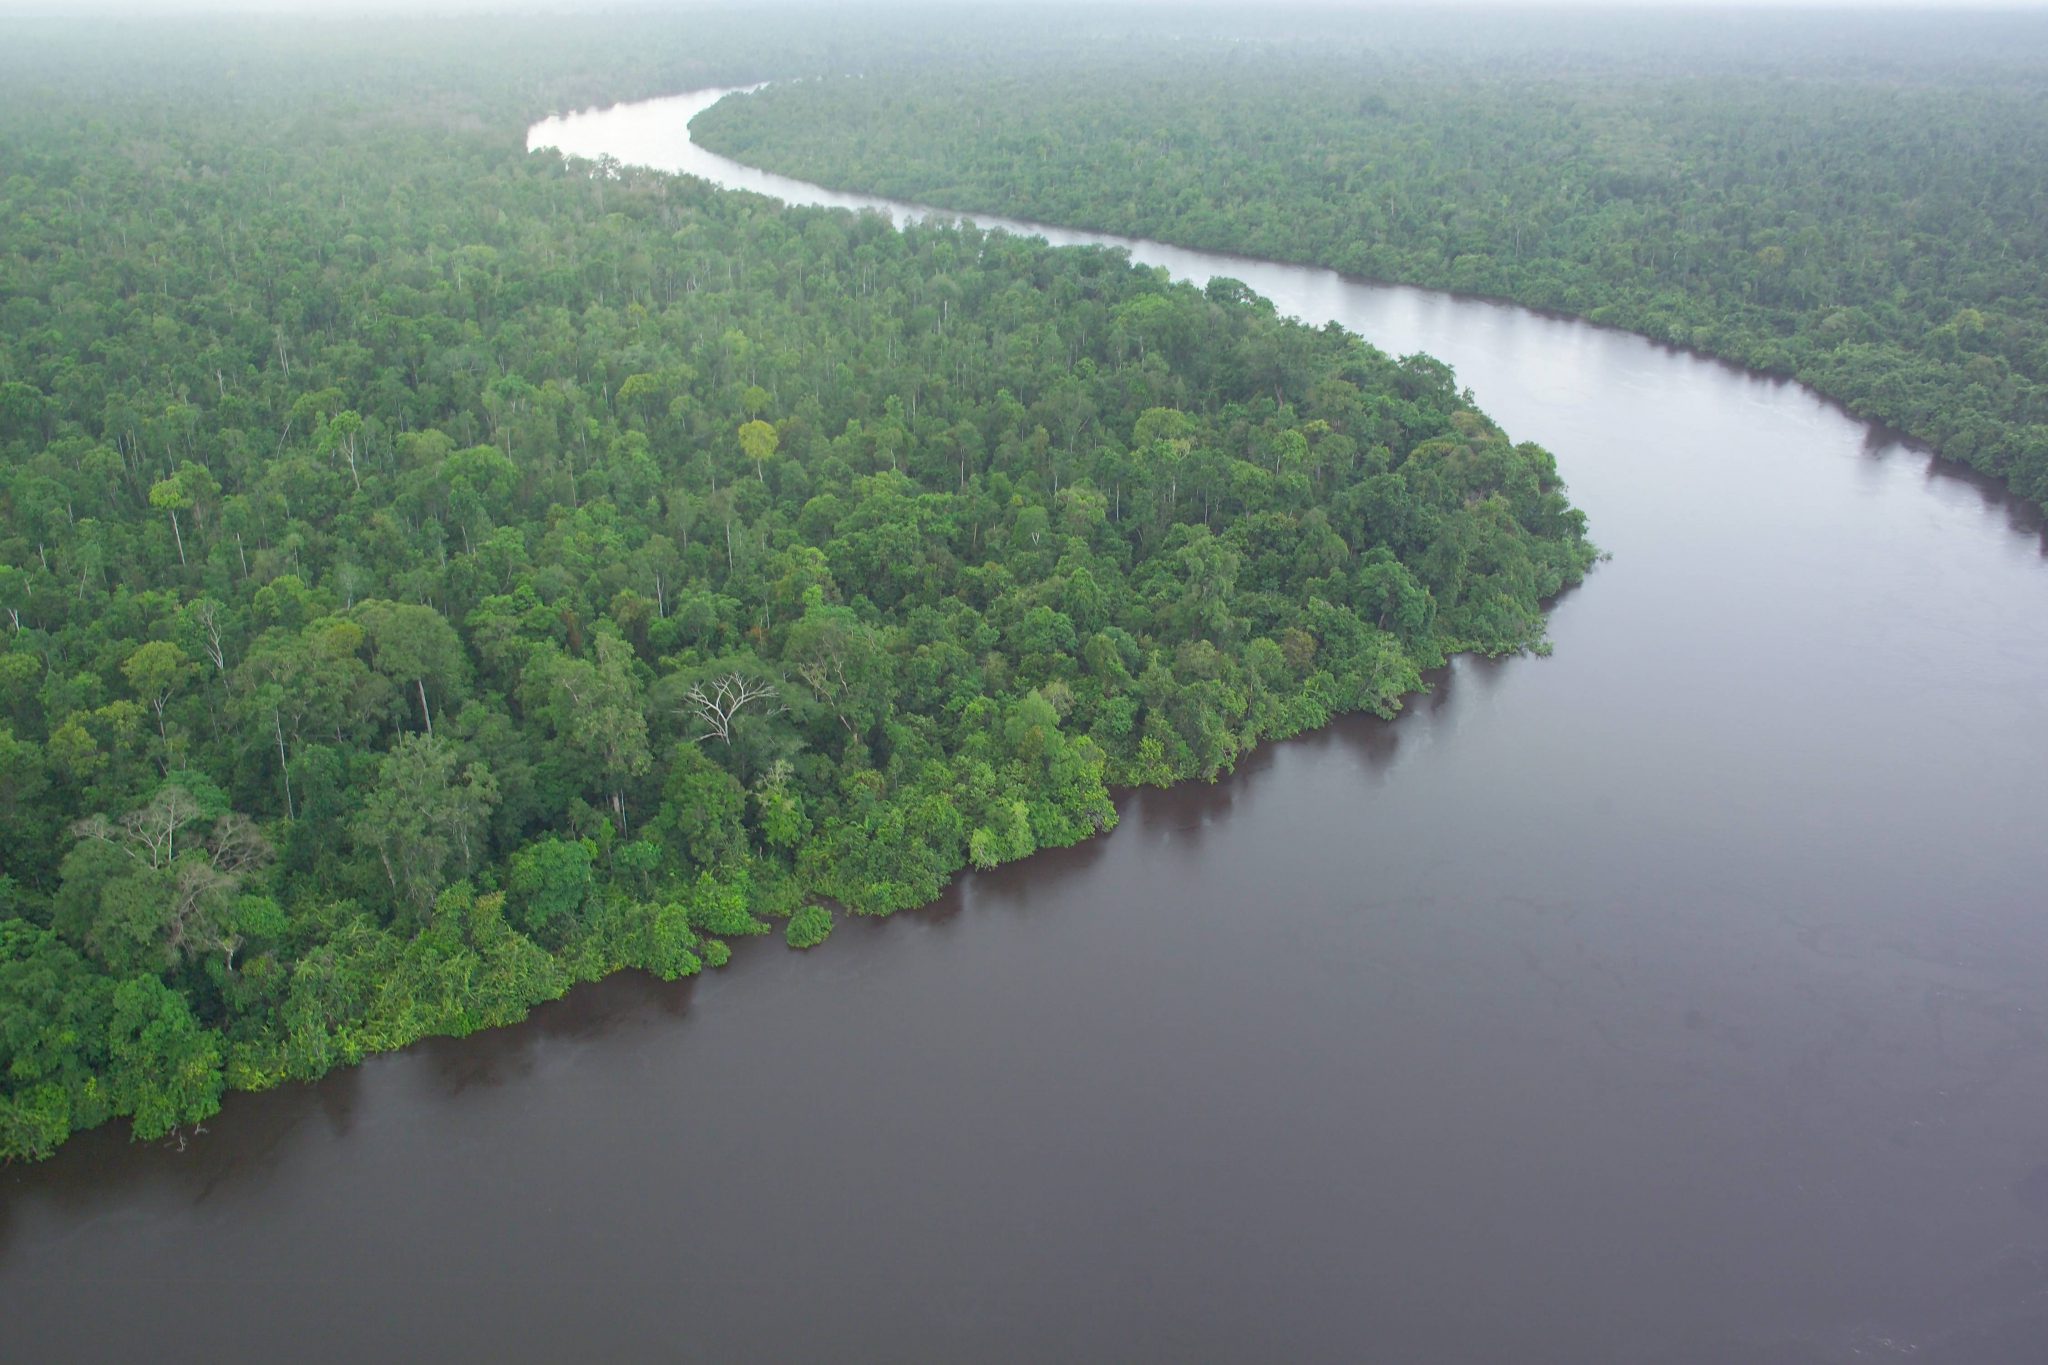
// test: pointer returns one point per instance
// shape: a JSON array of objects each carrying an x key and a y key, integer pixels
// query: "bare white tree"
[
  {"x": 206, "y": 612},
  {"x": 148, "y": 835},
  {"x": 716, "y": 705},
  {"x": 196, "y": 918}
]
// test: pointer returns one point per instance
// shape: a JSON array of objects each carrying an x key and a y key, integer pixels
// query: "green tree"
[
  {"x": 550, "y": 881},
  {"x": 596, "y": 709},
  {"x": 844, "y": 664},
  {"x": 426, "y": 826},
  {"x": 758, "y": 442},
  {"x": 170, "y": 495},
  {"x": 164, "y": 1069},
  {"x": 410, "y": 644},
  {"x": 156, "y": 671}
]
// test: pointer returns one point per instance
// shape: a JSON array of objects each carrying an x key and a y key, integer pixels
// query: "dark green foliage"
[
  {"x": 56, "y": 1014},
  {"x": 406, "y": 618},
  {"x": 550, "y": 880}
]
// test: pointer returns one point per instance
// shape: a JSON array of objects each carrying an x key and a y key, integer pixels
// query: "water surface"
[{"x": 1675, "y": 998}]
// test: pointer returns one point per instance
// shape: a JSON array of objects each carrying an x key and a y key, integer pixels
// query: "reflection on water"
[{"x": 498, "y": 1056}]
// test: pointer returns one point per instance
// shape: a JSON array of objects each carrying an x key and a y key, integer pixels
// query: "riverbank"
[{"x": 1724, "y": 919}]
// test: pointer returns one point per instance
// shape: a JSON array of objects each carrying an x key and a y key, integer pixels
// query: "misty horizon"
[{"x": 382, "y": 9}]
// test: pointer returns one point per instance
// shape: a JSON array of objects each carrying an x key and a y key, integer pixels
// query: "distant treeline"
[{"x": 1860, "y": 202}]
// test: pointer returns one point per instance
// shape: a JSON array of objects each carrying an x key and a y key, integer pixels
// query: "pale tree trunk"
[{"x": 283, "y": 766}]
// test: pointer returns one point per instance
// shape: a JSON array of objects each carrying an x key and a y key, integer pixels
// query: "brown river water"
[{"x": 1681, "y": 997}]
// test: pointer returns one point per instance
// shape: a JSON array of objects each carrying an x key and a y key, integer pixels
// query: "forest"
[
  {"x": 1853, "y": 201},
  {"x": 433, "y": 574}
]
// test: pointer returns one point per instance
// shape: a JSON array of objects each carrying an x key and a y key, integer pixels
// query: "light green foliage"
[
  {"x": 1005, "y": 839},
  {"x": 779, "y": 809},
  {"x": 156, "y": 670},
  {"x": 808, "y": 927},
  {"x": 671, "y": 942},
  {"x": 758, "y": 441},
  {"x": 721, "y": 907}
]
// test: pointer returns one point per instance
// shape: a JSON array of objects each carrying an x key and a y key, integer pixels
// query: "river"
[{"x": 1675, "y": 998}]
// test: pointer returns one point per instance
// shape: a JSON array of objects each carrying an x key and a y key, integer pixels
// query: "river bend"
[{"x": 1676, "y": 998}]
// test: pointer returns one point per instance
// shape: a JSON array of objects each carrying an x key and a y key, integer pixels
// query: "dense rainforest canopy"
[
  {"x": 433, "y": 574},
  {"x": 1859, "y": 201}
]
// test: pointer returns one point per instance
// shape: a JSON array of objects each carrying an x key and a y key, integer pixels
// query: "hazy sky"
[{"x": 387, "y": 7}]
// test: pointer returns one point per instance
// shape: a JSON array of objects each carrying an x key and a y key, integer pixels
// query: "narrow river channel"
[{"x": 1681, "y": 997}]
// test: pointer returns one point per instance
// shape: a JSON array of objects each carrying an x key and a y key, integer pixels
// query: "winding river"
[{"x": 1676, "y": 998}]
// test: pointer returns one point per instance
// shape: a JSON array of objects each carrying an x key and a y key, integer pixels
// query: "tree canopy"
[{"x": 393, "y": 636}]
